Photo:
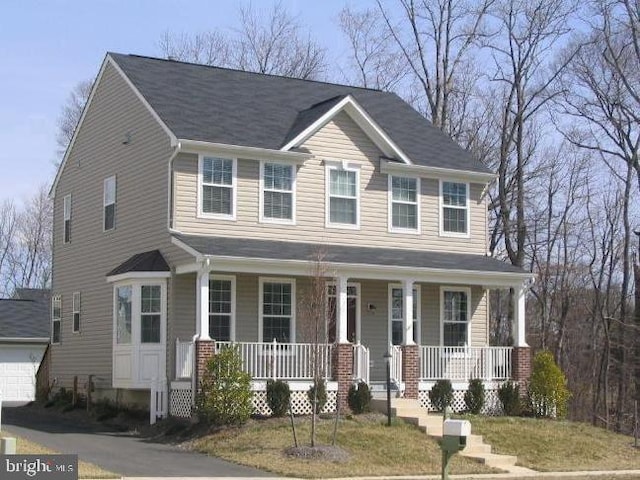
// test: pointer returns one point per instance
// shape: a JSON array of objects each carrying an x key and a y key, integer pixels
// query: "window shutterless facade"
[
  {"x": 396, "y": 314},
  {"x": 56, "y": 319},
  {"x": 76, "y": 312},
  {"x": 404, "y": 204},
  {"x": 217, "y": 187},
  {"x": 222, "y": 308},
  {"x": 343, "y": 197},
  {"x": 454, "y": 209},
  {"x": 109, "y": 204},
  {"x": 66, "y": 234},
  {"x": 455, "y": 311},
  {"x": 277, "y": 310},
  {"x": 277, "y": 196}
]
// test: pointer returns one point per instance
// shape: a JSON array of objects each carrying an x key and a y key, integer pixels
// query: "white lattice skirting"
[
  {"x": 180, "y": 399},
  {"x": 300, "y": 403},
  {"x": 492, "y": 404}
]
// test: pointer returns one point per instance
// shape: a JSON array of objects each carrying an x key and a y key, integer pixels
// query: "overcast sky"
[{"x": 48, "y": 46}]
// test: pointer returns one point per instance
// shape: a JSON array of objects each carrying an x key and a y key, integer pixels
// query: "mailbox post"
[{"x": 454, "y": 439}]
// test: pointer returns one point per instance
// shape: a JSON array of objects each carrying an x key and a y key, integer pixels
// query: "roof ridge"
[{"x": 248, "y": 72}]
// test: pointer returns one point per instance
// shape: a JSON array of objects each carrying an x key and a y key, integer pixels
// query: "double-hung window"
[
  {"x": 277, "y": 307},
  {"x": 76, "y": 312},
  {"x": 56, "y": 318},
  {"x": 396, "y": 305},
  {"x": 455, "y": 317},
  {"x": 123, "y": 314},
  {"x": 109, "y": 203},
  {"x": 404, "y": 203},
  {"x": 454, "y": 208},
  {"x": 221, "y": 308},
  {"x": 66, "y": 238},
  {"x": 217, "y": 187},
  {"x": 343, "y": 197},
  {"x": 150, "y": 313},
  {"x": 278, "y": 190}
]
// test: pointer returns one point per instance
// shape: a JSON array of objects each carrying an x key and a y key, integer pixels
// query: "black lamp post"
[{"x": 387, "y": 357}]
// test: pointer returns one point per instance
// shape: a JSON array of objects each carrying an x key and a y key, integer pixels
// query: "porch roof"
[{"x": 279, "y": 257}]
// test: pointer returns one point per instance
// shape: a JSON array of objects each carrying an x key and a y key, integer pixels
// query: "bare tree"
[
  {"x": 71, "y": 113},
  {"x": 8, "y": 229},
  {"x": 271, "y": 43}
]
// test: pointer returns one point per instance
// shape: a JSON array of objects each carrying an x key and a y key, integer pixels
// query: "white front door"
[{"x": 139, "y": 338}]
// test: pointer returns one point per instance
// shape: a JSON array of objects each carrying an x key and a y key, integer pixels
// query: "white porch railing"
[
  {"x": 396, "y": 364},
  {"x": 184, "y": 359},
  {"x": 360, "y": 363},
  {"x": 465, "y": 363},
  {"x": 284, "y": 361}
]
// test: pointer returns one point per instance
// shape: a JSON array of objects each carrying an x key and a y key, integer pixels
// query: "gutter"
[{"x": 24, "y": 340}]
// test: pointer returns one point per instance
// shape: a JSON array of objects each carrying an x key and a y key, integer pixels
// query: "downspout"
[{"x": 177, "y": 149}]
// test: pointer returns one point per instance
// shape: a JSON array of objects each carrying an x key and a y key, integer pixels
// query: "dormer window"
[
  {"x": 217, "y": 189},
  {"x": 343, "y": 196}
]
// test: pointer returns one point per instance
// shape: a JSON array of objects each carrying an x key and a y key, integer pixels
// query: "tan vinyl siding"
[
  {"x": 340, "y": 139},
  {"x": 140, "y": 168}
]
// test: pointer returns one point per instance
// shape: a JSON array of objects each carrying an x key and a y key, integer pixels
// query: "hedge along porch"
[{"x": 429, "y": 310}]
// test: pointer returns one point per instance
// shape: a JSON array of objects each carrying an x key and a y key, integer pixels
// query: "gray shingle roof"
[
  {"x": 151, "y": 261},
  {"x": 241, "y": 108},
  {"x": 279, "y": 250},
  {"x": 25, "y": 317}
]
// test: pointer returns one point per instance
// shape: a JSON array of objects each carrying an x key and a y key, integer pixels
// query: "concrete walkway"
[{"x": 121, "y": 453}]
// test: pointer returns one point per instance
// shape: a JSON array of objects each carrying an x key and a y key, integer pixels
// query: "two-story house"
[{"x": 192, "y": 201}]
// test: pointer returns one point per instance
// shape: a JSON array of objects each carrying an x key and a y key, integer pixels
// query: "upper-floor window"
[
  {"x": 278, "y": 190},
  {"x": 455, "y": 317},
  {"x": 76, "y": 312},
  {"x": 343, "y": 197},
  {"x": 454, "y": 216},
  {"x": 404, "y": 204},
  {"x": 56, "y": 318},
  {"x": 221, "y": 308},
  {"x": 109, "y": 203},
  {"x": 217, "y": 187},
  {"x": 277, "y": 307},
  {"x": 66, "y": 235}
]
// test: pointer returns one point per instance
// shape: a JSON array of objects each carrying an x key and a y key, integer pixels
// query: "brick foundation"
[
  {"x": 521, "y": 366},
  {"x": 410, "y": 370},
  {"x": 204, "y": 351},
  {"x": 342, "y": 366}
]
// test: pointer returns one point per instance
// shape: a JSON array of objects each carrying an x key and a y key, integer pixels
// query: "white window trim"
[
  {"x": 234, "y": 189},
  {"x": 332, "y": 165},
  {"x": 232, "y": 320},
  {"x": 465, "y": 290},
  {"x": 390, "y": 203},
  {"x": 76, "y": 310},
  {"x": 444, "y": 233},
  {"x": 279, "y": 221},
  {"x": 418, "y": 320},
  {"x": 56, "y": 299},
  {"x": 358, "y": 297},
  {"x": 292, "y": 326},
  {"x": 66, "y": 216},
  {"x": 105, "y": 204}
]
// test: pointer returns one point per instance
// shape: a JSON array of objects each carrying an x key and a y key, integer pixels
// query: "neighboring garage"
[{"x": 24, "y": 336}]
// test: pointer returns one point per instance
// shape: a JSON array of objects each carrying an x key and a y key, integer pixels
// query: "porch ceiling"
[{"x": 293, "y": 258}]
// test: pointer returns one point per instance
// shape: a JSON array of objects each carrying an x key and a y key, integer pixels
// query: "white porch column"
[
  {"x": 341, "y": 309},
  {"x": 519, "y": 295},
  {"x": 407, "y": 320},
  {"x": 202, "y": 306}
]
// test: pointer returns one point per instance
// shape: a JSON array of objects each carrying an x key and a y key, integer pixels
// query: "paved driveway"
[{"x": 118, "y": 452}]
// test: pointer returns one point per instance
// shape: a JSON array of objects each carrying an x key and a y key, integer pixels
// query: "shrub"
[
  {"x": 474, "y": 396},
  {"x": 278, "y": 394},
  {"x": 548, "y": 392},
  {"x": 509, "y": 396},
  {"x": 321, "y": 396},
  {"x": 441, "y": 395},
  {"x": 225, "y": 390},
  {"x": 359, "y": 398}
]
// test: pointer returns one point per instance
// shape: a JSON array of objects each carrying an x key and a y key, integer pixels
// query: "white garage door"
[{"x": 18, "y": 367}]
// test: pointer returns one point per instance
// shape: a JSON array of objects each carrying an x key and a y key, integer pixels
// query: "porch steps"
[{"x": 411, "y": 411}]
